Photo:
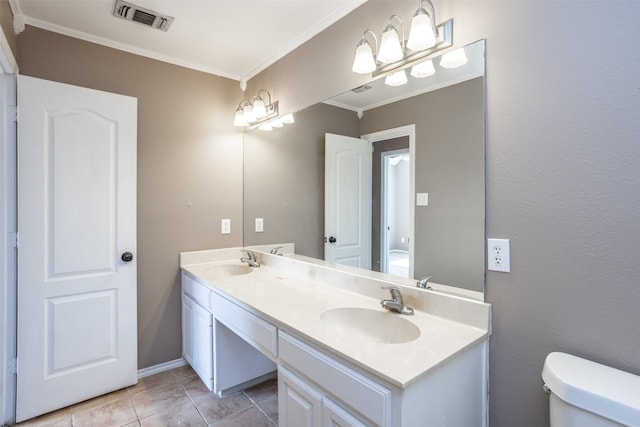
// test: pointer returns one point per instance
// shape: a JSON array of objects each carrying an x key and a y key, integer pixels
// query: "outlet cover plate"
[{"x": 498, "y": 255}]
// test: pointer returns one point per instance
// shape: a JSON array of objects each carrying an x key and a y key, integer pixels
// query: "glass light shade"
[
  {"x": 390, "y": 48},
  {"x": 258, "y": 108},
  {"x": 288, "y": 119},
  {"x": 363, "y": 63},
  {"x": 249, "y": 116},
  {"x": 423, "y": 69},
  {"x": 421, "y": 35},
  {"x": 396, "y": 79},
  {"x": 454, "y": 59},
  {"x": 277, "y": 123},
  {"x": 239, "y": 119},
  {"x": 266, "y": 126}
]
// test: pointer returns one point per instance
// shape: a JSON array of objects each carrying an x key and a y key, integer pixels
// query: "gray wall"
[
  {"x": 450, "y": 167},
  {"x": 284, "y": 178},
  {"x": 563, "y": 128},
  {"x": 189, "y": 165}
]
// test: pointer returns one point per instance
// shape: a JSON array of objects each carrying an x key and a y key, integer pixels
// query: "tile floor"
[{"x": 171, "y": 398}]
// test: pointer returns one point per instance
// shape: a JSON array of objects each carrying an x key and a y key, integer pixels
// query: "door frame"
[
  {"x": 384, "y": 206},
  {"x": 8, "y": 207},
  {"x": 409, "y": 131}
]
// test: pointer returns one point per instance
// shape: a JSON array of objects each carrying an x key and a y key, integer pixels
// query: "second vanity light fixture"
[
  {"x": 425, "y": 38},
  {"x": 255, "y": 113}
]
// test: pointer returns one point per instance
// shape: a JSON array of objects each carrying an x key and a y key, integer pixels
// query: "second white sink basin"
[
  {"x": 364, "y": 324},
  {"x": 228, "y": 269}
]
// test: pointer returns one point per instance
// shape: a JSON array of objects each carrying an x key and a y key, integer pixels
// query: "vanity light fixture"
[
  {"x": 253, "y": 115},
  {"x": 454, "y": 59},
  {"x": 288, "y": 119},
  {"x": 394, "y": 54}
]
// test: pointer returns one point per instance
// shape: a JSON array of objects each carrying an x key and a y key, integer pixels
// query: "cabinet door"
[
  {"x": 335, "y": 416},
  {"x": 299, "y": 405},
  {"x": 198, "y": 339}
]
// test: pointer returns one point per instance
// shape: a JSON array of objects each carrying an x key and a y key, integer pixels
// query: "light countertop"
[{"x": 292, "y": 302}]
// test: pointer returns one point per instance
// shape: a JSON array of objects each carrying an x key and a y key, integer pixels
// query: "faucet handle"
[
  {"x": 423, "y": 282},
  {"x": 395, "y": 293},
  {"x": 274, "y": 251}
]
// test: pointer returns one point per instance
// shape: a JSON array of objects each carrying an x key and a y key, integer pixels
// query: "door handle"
[
  {"x": 127, "y": 257},
  {"x": 332, "y": 239}
]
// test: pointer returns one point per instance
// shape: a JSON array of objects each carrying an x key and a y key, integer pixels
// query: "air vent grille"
[{"x": 131, "y": 12}]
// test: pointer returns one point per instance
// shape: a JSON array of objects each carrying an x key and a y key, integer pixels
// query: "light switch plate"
[
  {"x": 259, "y": 225},
  {"x": 225, "y": 226},
  {"x": 422, "y": 199}
]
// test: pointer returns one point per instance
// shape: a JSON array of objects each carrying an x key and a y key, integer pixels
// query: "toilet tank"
[{"x": 588, "y": 394}]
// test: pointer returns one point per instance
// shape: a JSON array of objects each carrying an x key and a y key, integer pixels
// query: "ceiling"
[{"x": 234, "y": 38}]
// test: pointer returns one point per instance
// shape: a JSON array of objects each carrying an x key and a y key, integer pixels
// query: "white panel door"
[
  {"x": 77, "y": 326},
  {"x": 347, "y": 201}
]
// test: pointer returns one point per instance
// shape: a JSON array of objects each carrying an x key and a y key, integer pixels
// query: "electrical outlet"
[
  {"x": 259, "y": 225},
  {"x": 225, "y": 226},
  {"x": 498, "y": 254}
]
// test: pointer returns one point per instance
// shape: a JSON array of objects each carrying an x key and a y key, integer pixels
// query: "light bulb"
[
  {"x": 396, "y": 79},
  {"x": 288, "y": 119},
  {"x": 423, "y": 69},
  {"x": 390, "y": 48},
  {"x": 363, "y": 63},
  {"x": 421, "y": 35},
  {"x": 277, "y": 123},
  {"x": 454, "y": 59},
  {"x": 239, "y": 119},
  {"x": 259, "y": 110},
  {"x": 248, "y": 114}
]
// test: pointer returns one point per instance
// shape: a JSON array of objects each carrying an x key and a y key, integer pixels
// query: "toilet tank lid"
[{"x": 606, "y": 391}]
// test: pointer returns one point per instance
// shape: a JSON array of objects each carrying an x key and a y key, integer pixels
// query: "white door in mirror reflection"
[{"x": 347, "y": 201}]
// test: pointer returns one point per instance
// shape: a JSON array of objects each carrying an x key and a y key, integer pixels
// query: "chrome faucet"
[
  {"x": 423, "y": 283},
  {"x": 395, "y": 303},
  {"x": 274, "y": 251},
  {"x": 250, "y": 259}
]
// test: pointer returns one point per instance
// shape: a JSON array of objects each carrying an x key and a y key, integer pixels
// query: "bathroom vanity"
[{"x": 340, "y": 358}]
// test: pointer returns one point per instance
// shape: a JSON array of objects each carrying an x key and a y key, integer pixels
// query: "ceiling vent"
[{"x": 131, "y": 12}]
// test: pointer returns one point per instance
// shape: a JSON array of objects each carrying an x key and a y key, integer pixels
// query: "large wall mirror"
[{"x": 427, "y": 196}]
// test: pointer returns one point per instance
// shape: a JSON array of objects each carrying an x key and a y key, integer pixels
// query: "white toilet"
[{"x": 588, "y": 394}]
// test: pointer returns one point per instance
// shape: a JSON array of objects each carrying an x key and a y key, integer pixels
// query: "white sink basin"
[
  {"x": 364, "y": 324},
  {"x": 228, "y": 269}
]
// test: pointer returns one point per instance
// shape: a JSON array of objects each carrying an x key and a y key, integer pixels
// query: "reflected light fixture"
[
  {"x": 288, "y": 119},
  {"x": 423, "y": 29},
  {"x": 423, "y": 69},
  {"x": 398, "y": 78},
  {"x": 425, "y": 38},
  {"x": 391, "y": 47},
  {"x": 454, "y": 59},
  {"x": 248, "y": 114}
]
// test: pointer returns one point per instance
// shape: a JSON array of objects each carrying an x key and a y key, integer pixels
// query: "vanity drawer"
[
  {"x": 362, "y": 394},
  {"x": 197, "y": 291},
  {"x": 260, "y": 334}
]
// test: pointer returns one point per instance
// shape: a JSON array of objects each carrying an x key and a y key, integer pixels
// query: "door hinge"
[
  {"x": 12, "y": 239},
  {"x": 12, "y": 365},
  {"x": 12, "y": 113}
]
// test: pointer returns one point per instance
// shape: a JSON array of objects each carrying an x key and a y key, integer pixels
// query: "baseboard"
[{"x": 156, "y": 369}]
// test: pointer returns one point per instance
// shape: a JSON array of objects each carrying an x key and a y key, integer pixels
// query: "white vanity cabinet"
[
  {"x": 302, "y": 405},
  {"x": 332, "y": 381},
  {"x": 197, "y": 327},
  {"x": 225, "y": 344}
]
